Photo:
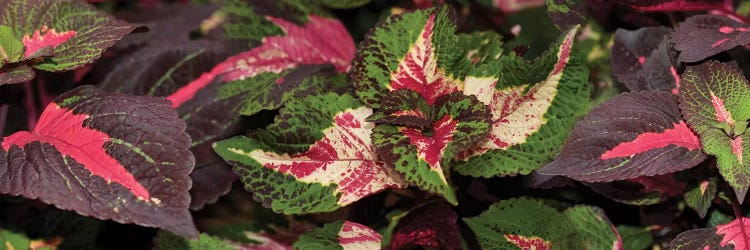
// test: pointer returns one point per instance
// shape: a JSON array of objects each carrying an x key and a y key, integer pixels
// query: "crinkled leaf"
[
  {"x": 320, "y": 41},
  {"x": 336, "y": 167},
  {"x": 421, "y": 153},
  {"x": 481, "y": 47},
  {"x": 699, "y": 197},
  {"x": 644, "y": 60},
  {"x": 634, "y": 134},
  {"x": 76, "y": 31},
  {"x": 247, "y": 21},
  {"x": 713, "y": 100},
  {"x": 110, "y": 156},
  {"x": 701, "y": 36},
  {"x": 344, "y": 235},
  {"x": 530, "y": 116},
  {"x": 733, "y": 235},
  {"x": 430, "y": 225},
  {"x": 167, "y": 241},
  {"x": 525, "y": 224},
  {"x": 416, "y": 51},
  {"x": 634, "y": 237}
]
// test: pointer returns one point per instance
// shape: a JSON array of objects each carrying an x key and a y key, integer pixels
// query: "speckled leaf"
[
  {"x": 417, "y": 51},
  {"x": 643, "y": 59},
  {"x": 76, "y": 31},
  {"x": 481, "y": 47},
  {"x": 567, "y": 13},
  {"x": 634, "y": 134},
  {"x": 713, "y": 98},
  {"x": 421, "y": 153},
  {"x": 733, "y": 235},
  {"x": 525, "y": 224},
  {"x": 320, "y": 41},
  {"x": 317, "y": 157},
  {"x": 701, "y": 36},
  {"x": 344, "y": 235},
  {"x": 699, "y": 197},
  {"x": 110, "y": 156},
  {"x": 530, "y": 116}
]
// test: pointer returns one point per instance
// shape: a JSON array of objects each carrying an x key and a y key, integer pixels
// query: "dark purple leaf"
[
  {"x": 642, "y": 59},
  {"x": 110, "y": 156},
  {"x": 634, "y": 134},
  {"x": 432, "y": 225},
  {"x": 699, "y": 37}
]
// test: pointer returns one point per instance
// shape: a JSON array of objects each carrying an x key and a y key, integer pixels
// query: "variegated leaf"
[{"x": 345, "y": 235}]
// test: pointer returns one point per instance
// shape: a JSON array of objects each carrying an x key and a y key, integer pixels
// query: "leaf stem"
[{"x": 736, "y": 209}]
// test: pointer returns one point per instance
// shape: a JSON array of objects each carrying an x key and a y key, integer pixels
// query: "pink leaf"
[
  {"x": 528, "y": 243},
  {"x": 357, "y": 236},
  {"x": 735, "y": 233},
  {"x": 43, "y": 38}
]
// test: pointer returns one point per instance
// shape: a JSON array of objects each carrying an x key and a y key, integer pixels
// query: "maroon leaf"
[
  {"x": 645, "y": 190},
  {"x": 110, "y": 156},
  {"x": 643, "y": 59},
  {"x": 699, "y": 37},
  {"x": 677, "y": 5},
  {"x": 634, "y": 134},
  {"x": 320, "y": 41},
  {"x": 21, "y": 73},
  {"x": 431, "y": 225},
  {"x": 735, "y": 233}
]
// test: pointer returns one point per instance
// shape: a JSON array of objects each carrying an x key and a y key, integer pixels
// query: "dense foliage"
[{"x": 358, "y": 124}]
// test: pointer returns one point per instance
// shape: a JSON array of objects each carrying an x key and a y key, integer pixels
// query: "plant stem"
[
  {"x": 3, "y": 117},
  {"x": 736, "y": 209},
  {"x": 31, "y": 110}
]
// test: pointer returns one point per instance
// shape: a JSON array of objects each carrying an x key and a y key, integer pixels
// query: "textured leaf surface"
[
  {"x": 430, "y": 225},
  {"x": 20, "y": 73},
  {"x": 317, "y": 157},
  {"x": 735, "y": 234},
  {"x": 530, "y": 116},
  {"x": 319, "y": 41},
  {"x": 345, "y": 235},
  {"x": 701, "y": 36},
  {"x": 75, "y": 30},
  {"x": 416, "y": 51},
  {"x": 109, "y": 156},
  {"x": 634, "y": 134},
  {"x": 644, "y": 60},
  {"x": 421, "y": 153},
  {"x": 713, "y": 100},
  {"x": 700, "y": 196},
  {"x": 644, "y": 190},
  {"x": 525, "y": 224}
]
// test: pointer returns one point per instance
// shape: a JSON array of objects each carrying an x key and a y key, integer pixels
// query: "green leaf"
[
  {"x": 11, "y": 48},
  {"x": 481, "y": 47},
  {"x": 634, "y": 237},
  {"x": 244, "y": 22},
  {"x": 316, "y": 157},
  {"x": 167, "y": 241},
  {"x": 534, "y": 107},
  {"x": 11, "y": 240},
  {"x": 510, "y": 223},
  {"x": 713, "y": 98},
  {"x": 343, "y": 4},
  {"x": 340, "y": 235},
  {"x": 700, "y": 196},
  {"x": 453, "y": 123}
]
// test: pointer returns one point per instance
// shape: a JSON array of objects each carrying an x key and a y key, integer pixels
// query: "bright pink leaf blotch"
[
  {"x": 680, "y": 135},
  {"x": 735, "y": 233},
  {"x": 320, "y": 41},
  {"x": 431, "y": 148},
  {"x": 684, "y": 5},
  {"x": 418, "y": 70},
  {"x": 357, "y": 236},
  {"x": 528, "y": 243},
  {"x": 722, "y": 114},
  {"x": 737, "y": 147},
  {"x": 45, "y": 37},
  {"x": 67, "y": 133}
]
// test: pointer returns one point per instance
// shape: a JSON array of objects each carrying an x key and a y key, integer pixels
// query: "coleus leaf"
[
  {"x": 567, "y": 13},
  {"x": 533, "y": 105},
  {"x": 733, "y": 235},
  {"x": 532, "y": 224},
  {"x": 16, "y": 74},
  {"x": 632, "y": 135},
  {"x": 453, "y": 122},
  {"x": 712, "y": 100},
  {"x": 320, "y": 41},
  {"x": 481, "y": 47},
  {"x": 431, "y": 224},
  {"x": 344, "y": 235},
  {"x": 635, "y": 237},
  {"x": 675, "y": 5},
  {"x": 701, "y": 36},
  {"x": 700, "y": 196},
  {"x": 417, "y": 51},
  {"x": 317, "y": 157},
  {"x": 110, "y": 156},
  {"x": 69, "y": 33},
  {"x": 644, "y": 190},
  {"x": 644, "y": 60},
  {"x": 512, "y": 6}
]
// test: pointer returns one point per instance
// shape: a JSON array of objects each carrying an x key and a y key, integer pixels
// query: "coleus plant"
[{"x": 318, "y": 124}]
